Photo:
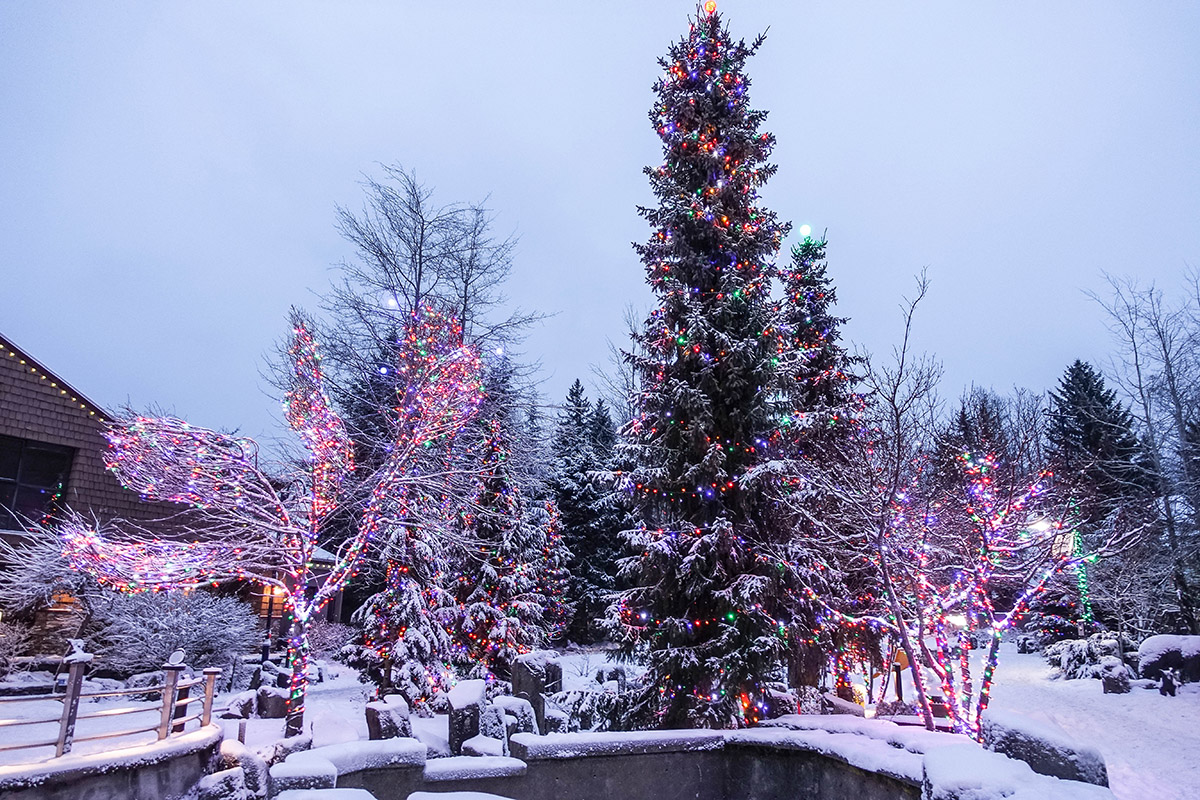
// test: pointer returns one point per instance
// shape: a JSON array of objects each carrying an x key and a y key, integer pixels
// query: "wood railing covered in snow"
[{"x": 172, "y": 718}]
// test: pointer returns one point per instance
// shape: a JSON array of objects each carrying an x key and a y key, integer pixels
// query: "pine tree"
[
  {"x": 1091, "y": 441},
  {"x": 817, "y": 410},
  {"x": 503, "y": 574},
  {"x": 1097, "y": 460},
  {"x": 819, "y": 380},
  {"x": 704, "y": 597},
  {"x": 590, "y": 516}
]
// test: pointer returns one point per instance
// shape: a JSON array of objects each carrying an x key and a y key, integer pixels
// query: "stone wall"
[{"x": 161, "y": 771}]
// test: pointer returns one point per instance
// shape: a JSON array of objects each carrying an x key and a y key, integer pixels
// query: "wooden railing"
[{"x": 173, "y": 717}]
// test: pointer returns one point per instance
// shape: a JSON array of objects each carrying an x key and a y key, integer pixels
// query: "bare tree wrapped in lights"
[
  {"x": 248, "y": 525},
  {"x": 967, "y": 564}
]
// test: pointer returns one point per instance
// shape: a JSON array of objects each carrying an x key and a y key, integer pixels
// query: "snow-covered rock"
[
  {"x": 280, "y": 749},
  {"x": 968, "y": 772},
  {"x": 227, "y": 784},
  {"x": 255, "y": 772},
  {"x": 519, "y": 709},
  {"x": 484, "y": 746},
  {"x": 466, "y": 708},
  {"x": 388, "y": 718},
  {"x": 1044, "y": 746},
  {"x": 271, "y": 702},
  {"x": 241, "y": 705},
  {"x": 351, "y": 757},
  {"x": 535, "y": 675},
  {"x": 303, "y": 771}
]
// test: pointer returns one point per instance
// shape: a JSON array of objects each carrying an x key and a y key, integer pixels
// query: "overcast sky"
[{"x": 169, "y": 171}]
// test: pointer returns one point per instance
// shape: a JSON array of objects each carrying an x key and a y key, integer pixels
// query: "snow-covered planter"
[{"x": 1167, "y": 651}]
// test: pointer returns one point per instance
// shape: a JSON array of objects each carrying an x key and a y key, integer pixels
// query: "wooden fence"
[{"x": 173, "y": 716}]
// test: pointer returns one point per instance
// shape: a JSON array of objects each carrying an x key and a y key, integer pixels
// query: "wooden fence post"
[
  {"x": 66, "y": 726},
  {"x": 170, "y": 681},
  {"x": 210, "y": 684}
]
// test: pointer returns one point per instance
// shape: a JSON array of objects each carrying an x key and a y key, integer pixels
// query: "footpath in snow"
[{"x": 1150, "y": 743}]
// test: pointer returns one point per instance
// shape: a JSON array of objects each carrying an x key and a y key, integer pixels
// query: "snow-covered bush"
[
  {"x": 328, "y": 638},
  {"x": 1166, "y": 651},
  {"x": 588, "y": 710},
  {"x": 13, "y": 639},
  {"x": 1080, "y": 658},
  {"x": 137, "y": 633}
]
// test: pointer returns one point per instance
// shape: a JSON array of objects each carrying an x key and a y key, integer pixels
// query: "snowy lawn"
[{"x": 1150, "y": 743}]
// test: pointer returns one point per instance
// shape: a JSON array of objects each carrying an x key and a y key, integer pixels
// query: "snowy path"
[{"x": 1151, "y": 743}]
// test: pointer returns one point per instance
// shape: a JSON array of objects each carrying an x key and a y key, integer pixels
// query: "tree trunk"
[{"x": 298, "y": 686}]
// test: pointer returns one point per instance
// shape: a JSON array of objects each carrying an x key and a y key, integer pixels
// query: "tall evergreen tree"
[
  {"x": 818, "y": 412},
  {"x": 591, "y": 516},
  {"x": 1098, "y": 463},
  {"x": 704, "y": 600},
  {"x": 505, "y": 568},
  {"x": 1091, "y": 442}
]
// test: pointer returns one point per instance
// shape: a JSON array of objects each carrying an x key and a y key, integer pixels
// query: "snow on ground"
[
  {"x": 1150, "y": 743},
  {"x": 334, "y": 711}
]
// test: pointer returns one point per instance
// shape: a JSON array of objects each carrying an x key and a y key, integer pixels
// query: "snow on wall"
[
  {"x": 460, "y": 768},
  {"x": 454, "y": 796},
  {"x": 176, "y": 746},
  {"x": 614, "y": 743}
]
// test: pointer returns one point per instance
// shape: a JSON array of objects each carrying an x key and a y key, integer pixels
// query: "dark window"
[{"x": 33, "y": 475}]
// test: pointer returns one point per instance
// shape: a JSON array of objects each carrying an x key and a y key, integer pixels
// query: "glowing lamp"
[
  {"x": 806, "y": 231},
  {"x": 710, "y": 6}
]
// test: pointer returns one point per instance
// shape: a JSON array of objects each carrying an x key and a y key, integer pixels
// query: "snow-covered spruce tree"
[
  {"x": 703, "y": 604},
  {"x": 819, "y": 413},
  {"x": 578, "y": 496},
  {"x": 1099, "y": 463},
  {"x": 499, "y": 586},
  {"x": 405, "y": 646}
]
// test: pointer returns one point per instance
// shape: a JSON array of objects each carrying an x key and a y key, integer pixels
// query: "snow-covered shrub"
[
  {"x": 137, "y": 633},
  {"x": 1166, "y": 651},
  {"x": 1080, "y": 658},
  {"x": 14, "y": 637},
  {"x": 588, "y": 710},
  {"x": 1114, "y": 675},
  {"x": 328, "y": 638},
  {"x": 896, "y": 708}
]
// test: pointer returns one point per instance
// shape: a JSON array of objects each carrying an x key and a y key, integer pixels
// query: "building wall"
[{"x": 35, "y": 404}]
